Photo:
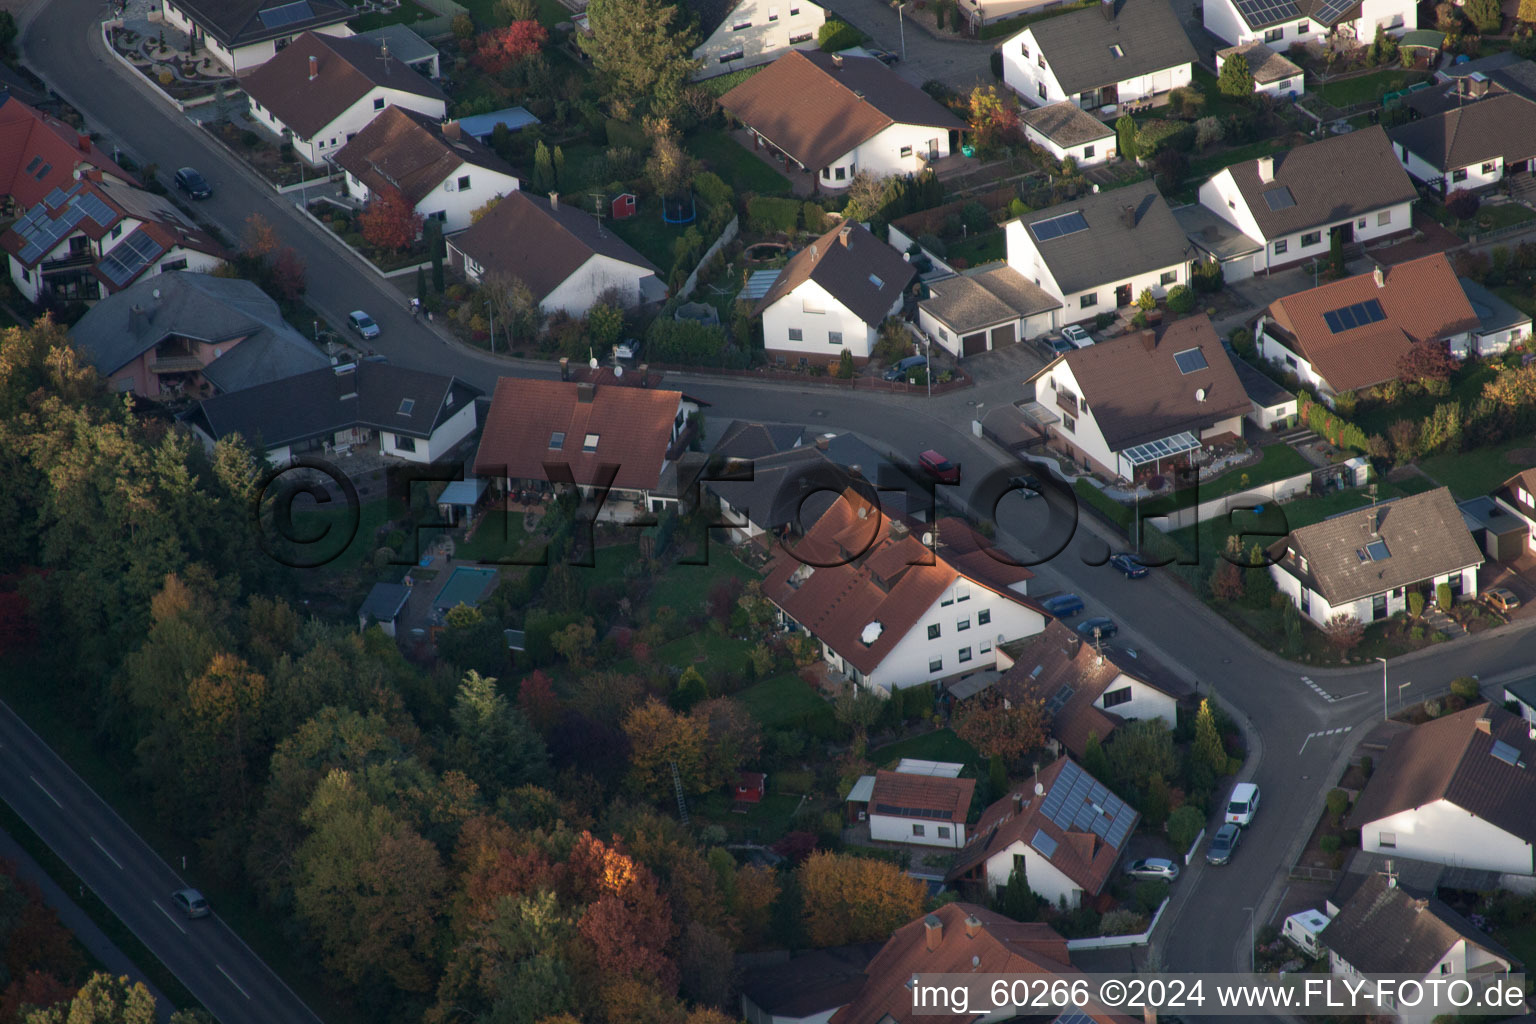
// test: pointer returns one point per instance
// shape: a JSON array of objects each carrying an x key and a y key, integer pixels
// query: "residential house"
[
  {"x": 1293, "y": 203},
  {"x": 402, "y": 414},
  {"x": 1273, "y": 73},
  {"x": 440, "y": 171},
  {"x": 191, "y": 334},
  {"x": 849, "y": 114},
  {"x": 1517, "y": 496},
  {"x": 545, "y": 432},
  {"x": 1099, "y": 252},
  {"x": 1142, "y": 403},
  {"x": 322, "y": 90},
  {"x": 1522, "y": 694},
  {"x": 1272, "y": 407},
  {"x": 1121, "y": 52},
  {"x": 888, "y": 610},
  {"x": 1354, "y": 333},
  {"x": 957, "y": 542},
  {"x": 1087, "y": 691},
  {"x": 1284, "y": 23},
  {"x": 806, "y": 987},
  {"x": 833, "y": 295},
  {"x": 1519, "y": 77},
  {"x": 922, "y": 810},
  {"x": 1064, "y": 829},
  {"x": 1500, "y": 326},
  {"x": 982, "y": 310},
  {"x": 1470, "y": 146},
  {"x": 244, "y": 34},
  {"x": 747, "y": 440},
  {"x": 383, "y": 607},
  {"x": 97, "y": 236},
  {"x": 39, "y": 153},
  {"x": 1456, "y": 790},
  {"x": 1068, "y": 132},
  {"x": 1367, "y": 561},
  {"x": 740, "y": 34},
  {"x": 564, "y": 255}
]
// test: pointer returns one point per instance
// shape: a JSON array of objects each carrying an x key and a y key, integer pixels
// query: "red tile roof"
[
  {"x": 1055, "y": 658},
  {"x": 633, "y": 428},
  {"x": 1422, "y": 300},
  {"x": 899, "y": 795},
  {"x": 403, "y": 149},
  {"x": 976, "y": 557},
  {"x": 39, "y": 153}
]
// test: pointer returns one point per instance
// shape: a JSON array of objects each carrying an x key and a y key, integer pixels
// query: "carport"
[
  {"x": 1499, "y": 534},
  {"x": 1219, "y": 240}
]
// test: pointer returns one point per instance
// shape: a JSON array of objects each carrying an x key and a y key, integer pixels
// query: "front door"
[
  {"x": 933, "y": 149},
  {"x": 1345, "y": 231},
  {"x": 1123, "y": 296}
]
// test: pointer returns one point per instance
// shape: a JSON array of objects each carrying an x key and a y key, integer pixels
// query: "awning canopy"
[
  {"x": 463, "y": 492},
  {"x": 1152, "y": 451}
]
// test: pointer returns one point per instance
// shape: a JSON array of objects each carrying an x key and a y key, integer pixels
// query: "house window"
[
  {"x": 1387, "y": 839},
  {"x": 1088, "y": 301},
  {"x": 1274, "y": 35},
  {"x": 1114, "y": 698},
  {"x": 808, "y": 305},
  {"x": 1168, "y": 277},
  {"x": 1384, "y": 218},
  {"x": 378, "y": 103},
  {"x": 1281, "y": 246},
  {"x": 917, "y": 830},
  {"x": 1041, "y": 89},
  {"x": 1024, "y": 49},
  {"x": 1306, "y": 601},
  {"x": 1460, "y": 175},
  {"x": 1068, "y": 423},
  {"x": 794, "y": 12},
  {"x": 962, "y": 591},
  {"x": 741, "y": 26},
  {"x": 1302, "y": 28},
  {"x": 1284, "y": 85},
  {"x": 1040, "y": 60},
  {"x": 170, "y": 265},
  {"x": 404, "y": 444},
  {"x": 984, "y": 616},
  {"x": 1019, "y": 863},
  {"x": 840, "y": 173},
  {"x": 943, "y": 831},
  {"x": 1490, "y": 167},
  {"x": 965, "y": 655},
  {"x": 1311, "y": 238},
  {"x": 906, "y": 151},
  {"x": 773, "y": 14},
  {"x": 557, "y": 440},
  {"x": 590, "y": 444},
  {"x": 934, "y": 629},
  {"x": 834, "y": 337},
  {"x": 463, "y": 183},
  {"x": 935, "y": 664},
  {"x": 1087, "y": 152},
  {"x": 117, "y": 229},
  {"x": 1291, "y": 362},
  {"x": 826, "y": 173},
  {"x": 943, "y": 334},
  {"x": 961, "y": 625},
  {"x": 803, "y": 37},
  {"x": 796, "y": 334},
  {"x": 986, "y": 646}
]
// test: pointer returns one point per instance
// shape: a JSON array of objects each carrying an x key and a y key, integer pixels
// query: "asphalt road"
[
  {"x": 209, "y": 958},
  {"x": 1207, "y": 926}
]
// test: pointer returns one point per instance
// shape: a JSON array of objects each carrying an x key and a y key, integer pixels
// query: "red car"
[{"x": 940, "y": 468}]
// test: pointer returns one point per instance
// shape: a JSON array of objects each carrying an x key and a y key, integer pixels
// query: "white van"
[
  {"x": 1303, "y": 928},
  {"x": 1242, "y": 805}
]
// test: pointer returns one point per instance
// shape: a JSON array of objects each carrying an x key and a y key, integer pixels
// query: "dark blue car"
[
  {"x": 1063, "y": 606},
  {"x": 1130, "y": 565}
]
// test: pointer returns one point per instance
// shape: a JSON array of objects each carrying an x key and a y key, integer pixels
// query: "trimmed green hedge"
[
  {"x": 1010, "y": 26},
  {"x": 767, "y": 214}
]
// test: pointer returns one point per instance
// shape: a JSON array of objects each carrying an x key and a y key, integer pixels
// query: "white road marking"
[
  {"x": 169, "y": 916},
  {"x": 44, "y": 788},
  {"x": 232, "y": 981},
  {"x": 104, "y": 852},
  {"x": 1330, "y": 698},
  {"x": 1326, "y": 732}
]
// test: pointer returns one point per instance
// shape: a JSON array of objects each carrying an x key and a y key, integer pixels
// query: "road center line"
[
  {"x": 44, "y": 788},
  {"x": 169, "y": 917},
  {"x": 232, "y": 981},
  {"x": 104, "y": 852}
]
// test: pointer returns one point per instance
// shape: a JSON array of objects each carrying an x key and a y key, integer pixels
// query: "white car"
[
  {"x": 1076, "y": 335},
  {"x": 1242, "y": 805}
]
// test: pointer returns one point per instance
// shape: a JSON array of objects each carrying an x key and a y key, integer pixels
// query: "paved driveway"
[{"x": 959, "y": 64}]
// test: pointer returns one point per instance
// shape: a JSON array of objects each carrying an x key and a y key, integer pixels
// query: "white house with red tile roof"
[
  {"x": 39, "y": 153},
  {"x": 888, "y": 609},
  {"x": 921, "y": 809}
]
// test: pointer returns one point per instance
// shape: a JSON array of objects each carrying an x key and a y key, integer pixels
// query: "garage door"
[
  {"x": 1002, "y": 336},
  {"x": 973, "y": 343}
]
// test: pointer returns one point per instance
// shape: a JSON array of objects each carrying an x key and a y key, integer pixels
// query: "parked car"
[
  {"x": 193, "y": 183},
  {"x": 629, "y": 348},
  {"x": 1501, "y": 599},
  {"x": 1025, "y": 486},
  {"x": 190, "y": 902},
  {"x": 1063, "y": 606},
  {"x": 1243, "y": 804},
  {"x": 906, "y": 366},
  {"x": 1129, "y": 564},
  {"x": 940, "y": 468},
  {"x": 363, "y": 324},
  {"x": 1153, "y": 867},
  {"x": 1077, "y": 336},
  {"x": 1222, "y": 844},
  {"x": 1059, "y": 345},
  {"x": 885, "y": 57},
  {"x": 1103, "y": 623}
]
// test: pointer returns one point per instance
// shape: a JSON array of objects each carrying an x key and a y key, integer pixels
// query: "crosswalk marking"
[
  {"x": 1330, "y": 698},
  {"x": 1326, "y": 732}
]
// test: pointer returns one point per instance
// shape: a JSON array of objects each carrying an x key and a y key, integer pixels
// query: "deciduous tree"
[
  {"x": 855, "y": 899},
  {"x": 1009, "y": 728},
  {"x": 390, "y": 221},
  {"x": 1426, "y": 361},
  {"x": 500, "y": 48},
  {"x": 1141, "y": 751},
  {"x": 288, "y": 274},
  {"x": 102, "y": 1000},
  {"x": 994, "y": 119},
  {"x": 1344, "y": 632},
  {"x": 659, "y": 738}
]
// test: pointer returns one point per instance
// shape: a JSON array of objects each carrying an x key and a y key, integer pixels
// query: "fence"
[
  {"x": 1118, "y": 941},
  {"x": 1263, "y": 494},
  {"x": 1189, "y": 854},
  {"x": 930, "y": 222},
  {"x": 725, "y": 238}
]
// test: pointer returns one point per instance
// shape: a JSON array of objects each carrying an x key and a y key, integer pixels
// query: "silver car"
[
  {"x": 190, "y": 902},
  {"x": 363, "y": 324},
  {"x": 1153, "y": 868},
  {"x": 1223, "y": 843}
]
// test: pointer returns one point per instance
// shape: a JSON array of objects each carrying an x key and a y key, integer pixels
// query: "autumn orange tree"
[
  {"x": 855, "y": 899},
  {"x": 500, "y": 48},
  {"x": 1006, "y": 728},
  {"x": 390, "y": 221},
  {"x": 994, "y": 120}
]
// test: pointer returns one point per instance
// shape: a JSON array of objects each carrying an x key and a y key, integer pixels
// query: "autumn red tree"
[
  {"x": 288, "y": 272},
  {"x": 994, "y": 120},
  {"x": 537, "y": 700},
  {"x": 500, "y": 48},
  {"x": 1426, "y": 361},
  {"x": 390, "y": 221},
  {"x": 1007, "y": 729}
]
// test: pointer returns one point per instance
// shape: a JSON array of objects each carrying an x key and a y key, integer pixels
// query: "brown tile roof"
[
  {"x": 1498, "y": 126},
  {"x": 1382, "y": 929},
  {"x": 1331, "y": 180},
  {"x": 39, "y": 153},
  {"x": 1526, "y": 479},
  {"x": 1066, "y": 123},
  {"x": 1080, "y": 854},
  {"x": 539, "y": 243},
  {"x": 855, "y": 567},
  {"x": 971, "y": 302},
  {"x": 347, "y": 70},
  {"x": 966, "y": 938},
  {"x": 634, "y": 428},
  {"x": 810, "y": 982},
  {"x": 1137, "y": 393},
  {"x": 818, "y": 108},
  {"x": 1449, "y": 759},
  {"x": 407, "y": 150},
  {"x": 1057, "y": 667},
  {"x": 1265, "y": 64},
  {"x": 1422, "y": 301},
  {"x": 976, "y": 557},
  {"x": 902, "y": 796},
  {"x": 855, "y": 267},
  {"x": 1131, "y": 231}
]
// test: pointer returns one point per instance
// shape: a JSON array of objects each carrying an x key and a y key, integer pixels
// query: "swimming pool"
[{"x": 467, "y": 585}]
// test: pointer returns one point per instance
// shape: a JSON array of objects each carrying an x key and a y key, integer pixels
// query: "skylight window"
[
  {"x": 590, "y": 444},
  {"x": 876, "y": 281},
  {"x": 43, "y": 173},
  {"x": 1377, "y": 549},
  {"x": 1190, "y": 360},
  {"x": 406, "y": 405},
  {"x": 1279, "y": 198},
  {"x": 1116, "y": 52},
  {"x": 1504, "y": 752},
  {"x": 33, "y": 165},
  {"x": 557, "y": 440}
]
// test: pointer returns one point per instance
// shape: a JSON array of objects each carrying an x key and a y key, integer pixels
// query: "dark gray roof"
[
  {"x": 1384, "y": 929},
  {"x": 1117, "y": 244},
  {"x": 1483, "y": 65},
  {"x": 1262, "y": 391},
  {"x": 1264, "y": 63},
  {"x": 811, "y": 983},
  {"x": 326, "y": 401},
  {"x": 1424, "y": 536},
  {"x": 1210, "y": 233},
  {"x": 1079, "y": 47},
  {"x": 856, "y": 269},
  {"x": 1324, "y": 12},
  {"x": 1493, "y": 313},
  {"x": 970, "y": 302},
  {"x": 1519, "y": 78},
  {"x": 1066, "y": 124},
  {"x": 795, "y": 487},
  {"x": 743, "y": 439},
  {"x": 384, "y": 602},
  {"x": 711, "y": 14},
  {"x": 204, "y": 308},
  {"x": 404, "y": 44},
  {"x": 1523, "y": 690},
  {"x": 1485, "y": 129},
  {"x": 241, "y": 22}
]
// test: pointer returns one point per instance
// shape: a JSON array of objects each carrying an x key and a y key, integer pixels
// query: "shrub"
[
  {"x": 1149, "y": 895},
  {"x": 1122, "y": 922},
  {"x": 1242, "y": 341},
  {"x": 1329, "y": 844},
  {"x": 1103, "y": 320},
  {"x": 1443, "y": 597},
  {"x": 933, "y": 244},
  {"x": 838, "y": 35},
  {"x": 1415, "y": 604},
  {"x": 1367, "y": 765},
  {"x": 1465, "y": 687},
  {"x": 1180, "y": 299},
  {"x": 1338, "y": 803},
  {"x": 1432, "y": 708},
  {"x": 1208, "y": 132},
  {"x": 997, "y": 64},
  {"x": 975, "y": 217},
  {"x": 1159, "y": 134},
  {"x": 1462, "y": 204},
  {"x": 249, "y": 139},
  {"x": 1184, "y": 824},
  {"x": 166, "y": 77},
  {"x": 845, "y": 365}
]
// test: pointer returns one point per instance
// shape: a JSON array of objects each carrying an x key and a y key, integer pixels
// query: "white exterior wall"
[
  {"x": 1498, "y": 342},
  {"x": 1274, "y": 351},
  {"x": 881, "y": 155},
  {"x": 949, "y": 340},
  {"x": 1396, "y": 16},
  {"x": 1443, "y": 833},
  {"x": 1319, "y": 611},
  {"x": 1102, "y": 150},
  {"x": 30, "y": 282},
  {"x": 1145, "y": 703},
  {"x": 456, "y": 203},
  {"x": 1085, "y": 433},
  {"x": 197, "y": 262},
  {"x": 577, "y": 293},
  {"x": 1476, "y": 176},
  {"x": 349, "y": 122},
  {"x": 1220, "y": 195},
  {"x": 1265, "y": 418},
  {"x": 773, "y": 24},
  {"x": 1025, "y": 258},
  {"x": 888, "y": 828},
  {"x": 1280, "y": 88},
  {"x": 452, "y": 431},
  {"x": 242, "y": 58},
  {"x": 793, "y": 312},
  {"x": 1023, "y": 73},
  {"x": 1221, "y": 20},
  {"x": 1043, "y": 876}
]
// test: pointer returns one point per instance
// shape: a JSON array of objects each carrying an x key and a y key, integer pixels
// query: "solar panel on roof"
[
  {"x": 1073, "y": 1017},
  {"x": 95, "y": 209},
  {"x": 1044, "y": 843},
  {"x": 1059, "y": 699},
  {"x": 1279, "y": 198},
  {"x": 1119, "y": 829},
  {"x": 1504, "y": 752},
  {"x": 1358, "y": 315},
  {"x": 1055, "y": 227},
  {"x": 1190, "y": 360},
  {"x": 1332, "y": 9},
  {"x": 55, "y": 198},
  {"x": 287, "y": 14},
  {"x": 1266, "y": 12},
  {"x": 130, "y": 256}
]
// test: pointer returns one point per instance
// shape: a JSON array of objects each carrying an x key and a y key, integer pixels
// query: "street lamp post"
[
  {"x": 901, "y": 28},
  {"x": 1251, "y": 942},
  {"x": 1384, "y": 714},
  {"x": 1400, "y": 688},
  {"x": 491, "y": 314}
]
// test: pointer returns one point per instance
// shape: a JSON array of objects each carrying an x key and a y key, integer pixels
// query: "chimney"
[
  {"x": 1149, "y": 339},
  {"x": 314, "y": 67},
  {"x": 972, "y": 926},
  {"x": 1375, "y": 522},
  {"x": 585, "y": 392},
  {"x": 823, "y": 443},
  {"x": 346, "y": 380},
  {"x": 554, "y": 200},
  {"x": 933, "y": 932},
  {"x": 899, "y": 529},
  {"x": 137, "y": 318},
  {"x": 837, "y": 61},
  {"x": 843, "y": 233},
  {"x": 1128, "y": 216},
  {"x": 1108, "y": 7},
  {"x": 1148, "y": 1015},
  {"x": 1018, "y": 803},
  {"x": 1266, "y": 169},
  {"x": 1485, "y": 725},
  {"x": 1381, "y": 278},
  {"x": 451, "y": 130},
  {"x": 85, "y": 143},
  {"x": 565, "y": 367}
]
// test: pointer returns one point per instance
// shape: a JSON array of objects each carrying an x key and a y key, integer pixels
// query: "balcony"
[
  {"x": 84, "y": 258},
  {"x": 1066, "y": 401},
  {"x": 175, "y": 364}
]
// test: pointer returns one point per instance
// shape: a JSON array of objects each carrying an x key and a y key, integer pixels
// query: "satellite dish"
[
  {"x": 156, "y": 294},
  {"x": 1039, "y": 789},
  {"x": 927, "y": 540},
  {"x": 592, "y": 362},
  {"x": 618, "y": 371},
  {"x": 1200, "y": 394}
]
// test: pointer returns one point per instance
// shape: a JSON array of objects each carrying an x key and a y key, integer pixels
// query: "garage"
[
  {"x": 973, "y": 343},
  {"x": 1003, "y": 336}
]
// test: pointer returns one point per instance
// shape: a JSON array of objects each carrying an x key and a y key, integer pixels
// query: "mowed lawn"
[
  {"x": 1469, "y": 474},
  {"x": 783, "y": 699},
  {"x": 739, "y": 166},
  {"x": 1370, "y": 88},
  {"x": 939, "y": 745}
]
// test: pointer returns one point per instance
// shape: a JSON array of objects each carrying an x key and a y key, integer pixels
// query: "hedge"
[
  {"x": 1159, "y": 134},
  {"x": 766, "y": 213},
  {"x": 1332, "y": 427},
  {"x": 838, "y": 35}
]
